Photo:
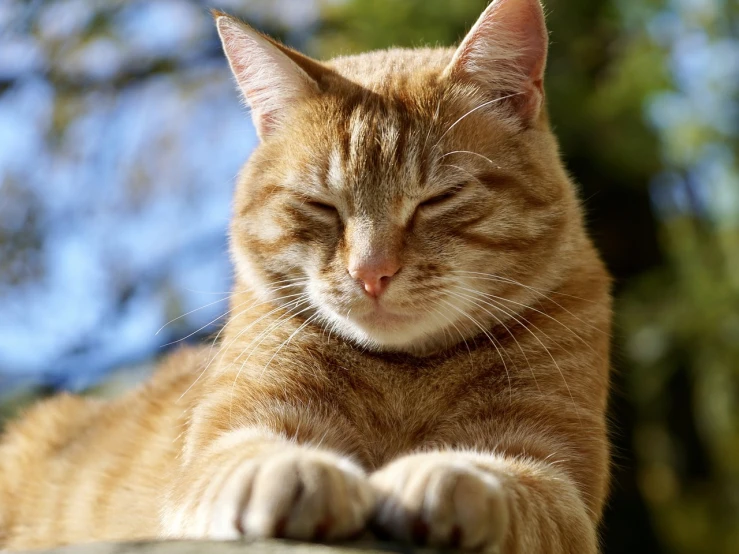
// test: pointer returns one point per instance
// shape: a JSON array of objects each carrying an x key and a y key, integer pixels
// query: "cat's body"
[{"x": 469, "y": 378}]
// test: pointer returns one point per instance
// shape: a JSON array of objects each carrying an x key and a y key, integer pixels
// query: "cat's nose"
[{"x": 375, "y": 275}]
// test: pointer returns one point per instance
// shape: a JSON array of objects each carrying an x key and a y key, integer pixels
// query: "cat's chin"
[
  {"x": 381, "y": 319},
  {"x": 386, "y": 331}
]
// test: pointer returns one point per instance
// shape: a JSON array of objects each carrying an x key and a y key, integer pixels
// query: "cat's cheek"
[{"x": 244, "y": 266}]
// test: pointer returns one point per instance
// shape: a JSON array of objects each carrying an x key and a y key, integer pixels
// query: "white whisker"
[
  {"x": 491, "y": 162},
  {"x": 463, "y": 170},
  {"x": 549, "y": 353},
  {"x": 226, "y": 346},
  {"x": 531, "y": 369},
  {"x": 473, "y": 110},
  {"x": 492, "y": 340},
  {"x": 493, "y": 277},
  {"x": 458, "y": 331},
  {"x": 501, "y": 298},
  {"x": 264, "y": 334},
  {"x": 287, "y": 341},
  {"x": 191, "y": 312}
]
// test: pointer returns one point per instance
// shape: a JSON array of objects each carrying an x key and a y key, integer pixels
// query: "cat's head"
[{"x": 406, "y": 199}]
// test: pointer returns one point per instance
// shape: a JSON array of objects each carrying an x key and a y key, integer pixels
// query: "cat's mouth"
[
  {"x": 381, "y": 317},
  {"x": 383, "y": 323}
]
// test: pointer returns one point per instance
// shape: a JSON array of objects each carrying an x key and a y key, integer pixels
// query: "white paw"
[
  {"x": 440, "y": 499},
  {"x": 299, "y": 494}
]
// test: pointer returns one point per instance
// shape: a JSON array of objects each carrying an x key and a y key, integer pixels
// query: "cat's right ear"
[
  {"x": 505, "y": 52},
  {"x": 270, "y": 81}
]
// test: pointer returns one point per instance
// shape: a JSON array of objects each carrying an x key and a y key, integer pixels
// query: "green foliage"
[
  {"x": 682, "y": 338},
  {"x": 351, "y": 27}
]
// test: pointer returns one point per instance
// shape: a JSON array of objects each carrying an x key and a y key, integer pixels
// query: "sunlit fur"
[
  {"x": 377, "y": 145},
  {"x": 466, "y": 406}
]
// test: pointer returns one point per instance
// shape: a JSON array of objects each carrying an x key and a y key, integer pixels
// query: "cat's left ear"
[
  {"x": 268, "y": 74},
  {"x": 506, "y": 52}
]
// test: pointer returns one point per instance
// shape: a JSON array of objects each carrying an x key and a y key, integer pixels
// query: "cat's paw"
[
  {"x": 440, "y": 499},
  {"x": 298, "y": 494}
]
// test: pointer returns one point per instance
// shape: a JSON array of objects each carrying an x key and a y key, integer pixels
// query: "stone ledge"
[{"x": 238, "y": 547}]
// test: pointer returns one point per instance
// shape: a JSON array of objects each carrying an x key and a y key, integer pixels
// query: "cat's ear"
[
  {"x": 506, "y": 51},
  {"x": 269, "y": 79}
]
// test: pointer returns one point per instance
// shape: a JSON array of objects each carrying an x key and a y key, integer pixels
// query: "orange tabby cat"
[{"x": 418, "y": 336}]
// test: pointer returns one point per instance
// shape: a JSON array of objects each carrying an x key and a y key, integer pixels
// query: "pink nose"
[{"x": 375, "y": 275}]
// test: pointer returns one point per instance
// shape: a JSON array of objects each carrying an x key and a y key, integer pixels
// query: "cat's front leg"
[
  {"x": 256, "y": 484},
  {"x": 487, "y": 502}
]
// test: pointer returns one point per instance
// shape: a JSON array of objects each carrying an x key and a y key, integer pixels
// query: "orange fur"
[{"x": 464, "y": 406}]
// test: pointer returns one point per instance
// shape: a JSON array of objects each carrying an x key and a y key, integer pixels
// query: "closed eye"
[
  {"x": 321, "y": 206},
  {"x": 440, "y": 198}
]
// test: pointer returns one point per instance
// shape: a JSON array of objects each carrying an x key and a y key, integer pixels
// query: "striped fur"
[{"x": 464, "y": 407}]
